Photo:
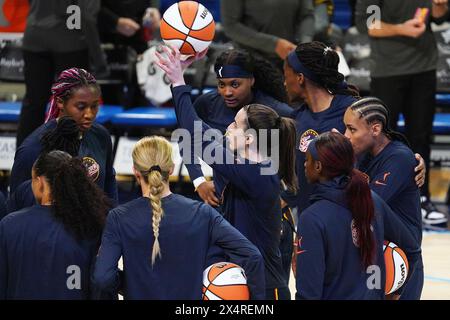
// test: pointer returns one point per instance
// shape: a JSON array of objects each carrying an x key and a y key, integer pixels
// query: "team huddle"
[{"x": 352, "y": 181}]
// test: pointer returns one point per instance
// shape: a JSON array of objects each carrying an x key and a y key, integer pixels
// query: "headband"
[
  {"x": 232, "y": 71},
  {"x": 313, "y": 149},
  {"x": 298, "y": 67}
]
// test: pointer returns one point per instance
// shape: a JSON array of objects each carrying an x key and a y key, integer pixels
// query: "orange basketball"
[
  {"x": 189, "y": 26},
  {"x": 225, "y": 281},
  {"x": 396, "y": 267}
]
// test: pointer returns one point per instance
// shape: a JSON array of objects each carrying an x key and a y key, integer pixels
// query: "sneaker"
[{"x": 430, "y": 215}]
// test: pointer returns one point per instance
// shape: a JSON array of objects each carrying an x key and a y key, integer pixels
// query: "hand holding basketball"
[{"x": 173, "y": 66}]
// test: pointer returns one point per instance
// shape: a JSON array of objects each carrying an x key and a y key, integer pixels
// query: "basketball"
[
  {"x": 225, "y": 281},
  {"x": 396, "y": 267},
  {"x": 189, "y": 26}
]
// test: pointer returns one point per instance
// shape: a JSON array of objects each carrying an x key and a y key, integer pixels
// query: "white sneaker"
[{"x": 430, "y": 215}]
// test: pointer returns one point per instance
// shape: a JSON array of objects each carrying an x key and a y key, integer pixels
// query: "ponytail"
[
  {"x": 152, "y": 157},
  {"x": 155, "y": 181},
  {"x": 287, "y": 153},
  {"x": 360, "y": 201},
  {"x": 336, "y": 154},
  {"x": 77, "y": 201},
  {"x": 261, "y": 117}
]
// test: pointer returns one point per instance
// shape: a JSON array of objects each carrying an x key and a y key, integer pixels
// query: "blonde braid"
[
  {"x": 150, "y": 152},
  {"x": 156, "y": 188}
]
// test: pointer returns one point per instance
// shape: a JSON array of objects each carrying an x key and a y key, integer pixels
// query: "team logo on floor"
[
  {"x": 306, "y": 138},
  {"x": 92, "y": 168}
]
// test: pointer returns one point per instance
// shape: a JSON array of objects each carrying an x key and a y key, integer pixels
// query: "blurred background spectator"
[{"x": 268, "y": 28}]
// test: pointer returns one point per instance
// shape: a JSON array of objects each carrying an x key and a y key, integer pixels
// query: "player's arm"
[
  {"x": 392, "y": 179},
  {"x": 241, "y": 252},
  {"x": 3, "y": 264},
  {"x": 243, "y": 176},
  {"x": 396, "y": 231},
  {"x": 110, "y": 175},
  {"x": 310, "y": 258},
  {"x": 105, "y": 276}
]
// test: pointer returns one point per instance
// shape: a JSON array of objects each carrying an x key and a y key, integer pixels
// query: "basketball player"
[
  {"x": 46, "y": 250},
  {"x": 251, "y": 199},
  {"x": 164, "y": 237},
  {"x": 388, "y": 161},
  {"x": 241, "y": 80},
  {"x": 312, "y": 77},
  {"x": 341, "y": 233},
  {"x": 76, "y": 94}
]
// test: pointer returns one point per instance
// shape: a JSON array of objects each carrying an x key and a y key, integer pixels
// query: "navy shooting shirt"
[
  {"x": 251, "y": 199},
  {"x": 187, "y": 229},
  {"x": 309, "y": 125},
  {"x": 329, "y": 264},
  {"x": 95, "y": 150},
  {"x": 41, "y": 259}
]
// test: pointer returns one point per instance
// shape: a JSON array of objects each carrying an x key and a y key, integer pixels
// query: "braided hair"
[
  {"x": 373, "y": 110},
  {"x": 66, "y": 137},
  {"x": 323, "y": 62},
  {"x": 152, "y": 157},
  {"x": 68, "y": 81},
  {"x": 267, "y": 78}
]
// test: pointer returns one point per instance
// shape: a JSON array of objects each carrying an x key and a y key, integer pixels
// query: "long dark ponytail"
[
  {"x": 267, "y": 78},
  {"x": 76, "y": 200},
  {"x": 336, "y": 154},
  {"x": 261, "y": 117}
]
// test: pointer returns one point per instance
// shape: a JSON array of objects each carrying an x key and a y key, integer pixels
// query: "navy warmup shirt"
[
  {"x": 391, "y": 174},
  {"x": 40, "y": 259},
  {"x": 212, "y": 109},
  {"x": 309, "y": 125},
  {"x": 187, "y": 230},
  {"x": 2, "y": 205},
  {"x": 22, "y": 197},
  {"x": 329, "y": 264},
  {"x": 251, "y": 199},
  {"x": 95, "y": 149}
]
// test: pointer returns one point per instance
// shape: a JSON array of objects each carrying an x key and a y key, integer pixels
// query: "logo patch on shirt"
[
  {"x": 306, "y": 138},
  {"x": 92, "y": 168},
  {"x": 298, "y": 246},
  {"x": 384, "y": 181}
]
